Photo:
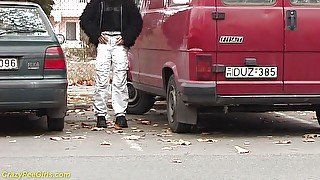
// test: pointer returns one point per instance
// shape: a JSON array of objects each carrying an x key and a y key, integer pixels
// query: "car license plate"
[
  {"x": 8, "y": 63},
  {"x": 251, "y": 72}
]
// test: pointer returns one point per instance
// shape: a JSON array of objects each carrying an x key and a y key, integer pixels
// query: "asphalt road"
[{"x": 273, "y": 147}]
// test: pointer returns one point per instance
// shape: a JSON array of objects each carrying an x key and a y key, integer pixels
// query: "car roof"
[{"x": 15, "y": 3}]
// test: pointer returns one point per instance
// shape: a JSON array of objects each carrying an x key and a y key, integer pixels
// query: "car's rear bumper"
[
  {"x": 33, "y": 94},
  {"x": 204, "y": 94}
]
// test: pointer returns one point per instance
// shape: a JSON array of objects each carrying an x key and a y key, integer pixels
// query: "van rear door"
[
  {"x": 250, "y": 47},
  {"x": 302, "y": 47}
]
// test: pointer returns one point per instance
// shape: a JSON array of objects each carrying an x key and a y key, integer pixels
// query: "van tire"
[
  {"x": 172, "y": 109},
  {"x": 55, "y": 124},
  {"x": 139, "y": 101}
]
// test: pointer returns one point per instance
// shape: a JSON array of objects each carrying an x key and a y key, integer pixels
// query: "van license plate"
[
  {"x": 8, "y": 63},
  {"x": 251, "y": 72}
]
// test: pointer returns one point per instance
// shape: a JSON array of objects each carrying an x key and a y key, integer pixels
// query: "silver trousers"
[{"x": 111, "y": 66}]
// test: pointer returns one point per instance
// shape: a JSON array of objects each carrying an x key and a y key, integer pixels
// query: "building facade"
[{"x": 65, "y": 20}]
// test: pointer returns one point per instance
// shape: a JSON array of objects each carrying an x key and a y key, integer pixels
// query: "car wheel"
[
  {"x": 55, "y": 124},
  {"x": 139, "y": 101},
  {"x": 172, "y": 100}
]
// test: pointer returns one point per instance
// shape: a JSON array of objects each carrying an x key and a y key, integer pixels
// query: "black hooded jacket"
[{"x": 93, "y": 20}]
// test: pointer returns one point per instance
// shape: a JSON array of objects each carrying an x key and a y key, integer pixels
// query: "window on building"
[{"x": 71, "y": 31}]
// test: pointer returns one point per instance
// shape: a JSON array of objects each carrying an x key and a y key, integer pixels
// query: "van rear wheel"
[
  {"x": 172, "y": 110},
  {"x": 139, "y": 101}
]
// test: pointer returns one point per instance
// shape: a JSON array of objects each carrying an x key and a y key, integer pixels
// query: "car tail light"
[
  {"x": 204, "y": 67},
  {"x": 54, "y": 58}
]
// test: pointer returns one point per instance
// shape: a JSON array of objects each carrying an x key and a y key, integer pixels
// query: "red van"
[{"x": 226, "y": 55}]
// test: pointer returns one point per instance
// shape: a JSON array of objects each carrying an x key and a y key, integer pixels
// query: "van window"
[
  {"x": 305, "y": 2},
  {"x": 155, "y": 4},
  {"x": 249, "y": 2}
]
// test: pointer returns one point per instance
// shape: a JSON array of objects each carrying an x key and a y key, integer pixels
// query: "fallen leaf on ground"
[
  {"x": 78, "y": 137},
  {"x": 132, "y": 137},
  {"x": 56, "y": 138},
  {"x": 97, "y": 129},
  {"x": 134, "y": 128},
  {"x": 164, "y": 135},
  {"x": 117, "y": 131},
  {"x": 311, "y": 135},
  {"x": 246, "y": 143},
  {"x": 105, "y": 143},
  {"x": 308, "y": 140},
  {"x": 66, "y": 138},
  {"x": 167, "y": 148},
  {"x": 146, "y": 122},
  {"x": 13, "y": 141},
  {"x": 282, "y": 142},
  {"x": 207, "y": 140},
  {"x": 137, "y": 130},
  {"x": 178, "y": 161},
  {"x": 241, "y": 150},
  {"x": 155, "y": 125},
  {"x": 176, "y": 142},
  {"x": 84, "y": 125}
]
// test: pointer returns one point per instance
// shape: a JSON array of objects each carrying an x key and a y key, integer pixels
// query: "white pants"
[{"x": 111, "y": 62}]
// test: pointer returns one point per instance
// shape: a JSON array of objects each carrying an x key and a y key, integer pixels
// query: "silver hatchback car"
[{"x": 32, "y": 64}]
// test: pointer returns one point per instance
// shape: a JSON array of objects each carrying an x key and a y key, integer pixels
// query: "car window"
[
  {"x": 249, "y": 2},
  {"x": 305, "y": 2},
  {"x": 21, "y": 21}
]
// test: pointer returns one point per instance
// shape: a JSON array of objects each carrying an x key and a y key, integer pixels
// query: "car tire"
[
  {"x": 55, "y": 124},
  {"x": 318, "y": 115},
  {"x": 139, "y": 101},
  {"x": 172, "y": 109}
]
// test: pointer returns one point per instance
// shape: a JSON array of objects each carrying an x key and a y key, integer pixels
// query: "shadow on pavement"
[{"x": 21, "y": 124}]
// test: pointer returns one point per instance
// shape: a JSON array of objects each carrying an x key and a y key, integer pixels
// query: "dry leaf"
[
  {"x": 167, "y": 148},
  {"x": 164, "y": 135},
  {"x": 56, "y": 138},
  {"x": 155, "y": 125},
  {"x": 78, "y": 137},
  {"x": 84, "y": 125},
  {"x": 178, "y": 161},
  {"x": 207, "y": 140},
  {"x": 146, "y": 122},
  {"x": 311, "y": 135},
  {"x": 105, "y": 143},
  {"x": 282, "y": 142},
  {"x": 132, "y": 137},
  {"x": 308, "y": 140},
  {"x": 241, "y": 150},
  {"x": 137, "y": 130},
  {"x": 97, "y": 129}
]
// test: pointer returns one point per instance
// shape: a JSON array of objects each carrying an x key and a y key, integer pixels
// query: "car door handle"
[{"x": 291, "y": 17}]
